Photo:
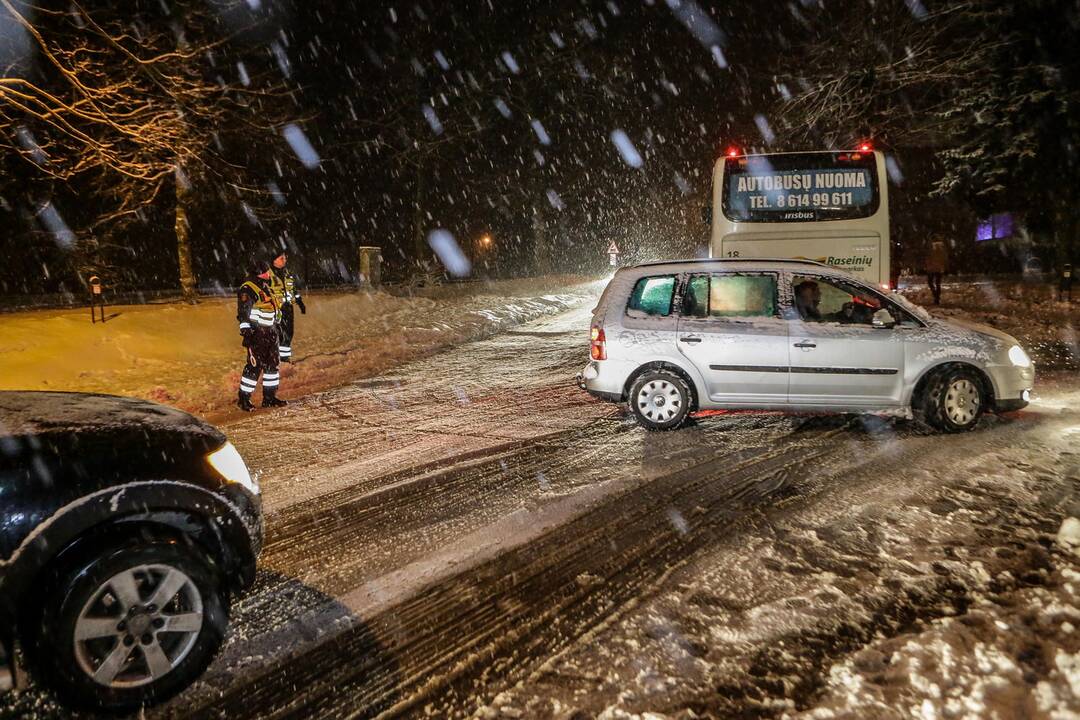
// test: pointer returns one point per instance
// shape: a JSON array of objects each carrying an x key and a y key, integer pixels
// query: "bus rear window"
[
  {"x": 652, "y": 297},
  {"x": 797, "y": 187}
]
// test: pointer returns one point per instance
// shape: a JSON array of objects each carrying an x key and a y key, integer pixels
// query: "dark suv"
[{"x": 125, "y": 528}]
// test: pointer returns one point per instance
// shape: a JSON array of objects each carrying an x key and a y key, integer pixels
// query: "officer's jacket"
[
  {"x": 256, "y": 305},
  {"x": 284, "y": 286}
]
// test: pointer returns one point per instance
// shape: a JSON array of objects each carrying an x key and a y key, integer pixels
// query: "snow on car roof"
[{"x": 737, "y": 262}]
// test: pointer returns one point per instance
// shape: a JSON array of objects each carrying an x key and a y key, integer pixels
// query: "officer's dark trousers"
[
  {"x": 288, "y": 317},
  {"x": 262, "y": 358}
]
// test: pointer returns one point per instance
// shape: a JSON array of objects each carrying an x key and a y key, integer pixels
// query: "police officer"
[
  {"x": 258, "y": 313},
  {"x": 287, "y": 292}
]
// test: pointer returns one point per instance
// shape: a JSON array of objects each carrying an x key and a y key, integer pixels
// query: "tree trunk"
[
  {"x": 183, "y": 239},
  {"x": 419, "y": 238},
  {"x": 541, "y": 249}
]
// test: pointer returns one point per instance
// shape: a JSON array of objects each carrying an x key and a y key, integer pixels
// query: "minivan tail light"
[{"x": 598, "y": 345}]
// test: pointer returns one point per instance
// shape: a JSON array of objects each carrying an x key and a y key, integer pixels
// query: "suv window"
[
  {"x": 731, "y": 295},
  {"x": 652, "y": 296}
]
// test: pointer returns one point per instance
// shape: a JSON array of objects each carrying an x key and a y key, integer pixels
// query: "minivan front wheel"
[
  {"x": 131, "y": 627},
  {"x": 954, "y": 400},
  {"x": 660, "y": 400}
]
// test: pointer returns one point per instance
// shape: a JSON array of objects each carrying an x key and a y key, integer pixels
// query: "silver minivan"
[{"x": 670, "y": 338}]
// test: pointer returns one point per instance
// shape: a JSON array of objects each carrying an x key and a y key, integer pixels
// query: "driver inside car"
[{"x": 857, "y": 310}]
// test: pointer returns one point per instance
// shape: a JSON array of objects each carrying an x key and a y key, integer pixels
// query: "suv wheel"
[
  {"x": 953, "y": 400},
  {"x": 130, "y": 627},
  {"x": 660, "y": 400}
]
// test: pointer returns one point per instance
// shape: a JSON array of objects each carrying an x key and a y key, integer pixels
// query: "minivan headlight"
[
  {"x": 229, "y": 465},
  {"x": 1018, "y": 357}
]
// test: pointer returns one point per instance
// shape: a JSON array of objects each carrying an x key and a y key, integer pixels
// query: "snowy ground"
[
  {"x": 468, "y": 534},
  {"x": 190, "y": 356},
  {"x": 902, "y": 576}
]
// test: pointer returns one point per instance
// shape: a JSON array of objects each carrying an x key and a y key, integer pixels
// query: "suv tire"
[
  {"x": 101, "y": 616},
  {"x": 953, "y": 400},
  {"x": 660, "y": 400}
]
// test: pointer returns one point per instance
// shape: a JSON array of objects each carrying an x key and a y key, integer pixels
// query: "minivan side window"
[
  {"x": 652, "y": 297},
  {"x": 730, "y": 295},
  {"x": 819, "y": 299}
]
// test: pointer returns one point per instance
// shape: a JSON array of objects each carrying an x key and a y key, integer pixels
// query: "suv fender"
[
  {"x": 232, "y": 535},
  {"x": 920, "y": 383},
  {"x": 690, "y": 375}
]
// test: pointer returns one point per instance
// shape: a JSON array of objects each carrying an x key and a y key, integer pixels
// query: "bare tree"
[
  {"x": 129, "y": 104},
  {"x": 889, "y": 71}
]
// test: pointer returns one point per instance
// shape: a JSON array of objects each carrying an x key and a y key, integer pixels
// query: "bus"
[{"x": 830, "y": 206}]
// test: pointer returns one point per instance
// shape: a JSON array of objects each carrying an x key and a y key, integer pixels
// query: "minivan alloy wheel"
[{"x": 138, "y": 626}]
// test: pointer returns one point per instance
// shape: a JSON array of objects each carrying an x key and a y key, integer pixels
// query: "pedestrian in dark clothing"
[
  {"x": 287, "y": 292},
  {"x": 258, "y": 314},
  {"x": 936, "y": 263},
  {"x": 1065, "y": 284}
]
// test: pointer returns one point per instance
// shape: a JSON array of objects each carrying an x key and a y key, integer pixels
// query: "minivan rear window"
[
  {"x": 730, "y": 296},
  {"x": 652, "y": 296},
  {"x": 742, "y": 296}
]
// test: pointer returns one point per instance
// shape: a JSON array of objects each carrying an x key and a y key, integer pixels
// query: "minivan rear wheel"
[
  {"x": 954, "y": 399},
  {"x": 660, "y": 400}
]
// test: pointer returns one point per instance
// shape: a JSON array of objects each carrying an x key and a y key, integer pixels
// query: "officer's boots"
[
  {"x": 271, "y": 400},
  {"x": 243, "y": 401}
]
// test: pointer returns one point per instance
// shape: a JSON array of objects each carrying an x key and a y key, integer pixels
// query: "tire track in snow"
[{"x": 507, "y": 615}]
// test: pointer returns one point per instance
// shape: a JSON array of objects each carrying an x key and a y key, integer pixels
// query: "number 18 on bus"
[{"x": 830, "y": 206}]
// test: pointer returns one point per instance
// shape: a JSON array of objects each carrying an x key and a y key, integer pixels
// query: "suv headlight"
[
  {"x": 1018, "y": 357},
  {"x": 229, "y": 465}
]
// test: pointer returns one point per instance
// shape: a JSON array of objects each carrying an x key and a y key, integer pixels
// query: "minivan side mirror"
[
  {"x": 883, "y": 319},
  {"x": 706, "y": 215}
]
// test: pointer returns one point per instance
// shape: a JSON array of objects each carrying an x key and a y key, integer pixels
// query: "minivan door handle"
[
  {"x": 805, "y": 344},
  {"x": 690, "y": 339}
]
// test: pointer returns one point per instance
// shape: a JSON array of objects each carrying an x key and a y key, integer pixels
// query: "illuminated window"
[{"x": 996, "y": 227}]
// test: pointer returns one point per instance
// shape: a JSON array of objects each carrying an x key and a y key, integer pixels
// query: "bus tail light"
[{"x": 598, "y": 345}]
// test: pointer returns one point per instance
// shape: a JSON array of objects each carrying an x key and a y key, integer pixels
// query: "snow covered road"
[{"x": 471, "y": 534}]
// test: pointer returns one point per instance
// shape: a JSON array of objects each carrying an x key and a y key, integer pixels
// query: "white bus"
[{"x": 830, "y": 206}]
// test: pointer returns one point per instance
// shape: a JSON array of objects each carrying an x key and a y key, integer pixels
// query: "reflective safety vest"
[
  {"x": 291, "y": 295},
  {"x": 264, "y": 311},
  {"x": 284, "y": 288}
]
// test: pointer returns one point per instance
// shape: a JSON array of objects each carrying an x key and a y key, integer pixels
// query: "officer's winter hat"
[{"x": 258, "y": 265}]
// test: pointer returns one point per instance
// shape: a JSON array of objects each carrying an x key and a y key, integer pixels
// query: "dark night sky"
[
  {"x": 475, "y": 116},
  {"x": 630, "y": 66}
]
